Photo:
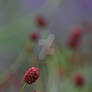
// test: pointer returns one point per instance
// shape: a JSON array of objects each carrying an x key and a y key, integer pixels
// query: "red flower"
[
  {"x": 79, "y": 80},
  {"x": 31, "y": 75},
  {"x": 41, "y": 21},
  {"x": 75, "y": 38},
  {"x": 34, "y": 36}
]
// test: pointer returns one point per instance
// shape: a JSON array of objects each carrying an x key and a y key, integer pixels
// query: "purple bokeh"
[{"x": 32, "y": 4}]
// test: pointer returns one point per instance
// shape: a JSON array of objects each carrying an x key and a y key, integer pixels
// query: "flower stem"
[{"x": 23, "y": 87}]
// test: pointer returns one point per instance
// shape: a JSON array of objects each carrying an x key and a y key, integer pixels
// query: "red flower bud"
[
  {"x": 34, "y": 36},
  {"x": 31, "y": 75},
  {"x": 41, "y": 21},
  {"x": 79, "y": 80},
  {"x": 75, "y": 38}
]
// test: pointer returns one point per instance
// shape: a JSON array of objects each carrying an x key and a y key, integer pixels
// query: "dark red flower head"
[
  {"x": 74, "y": 38},
  {"x": 41, "y": 21},
  {"x": 31, "y": 75},
  {"x": 79, "y": 80},
  {"x": 34, "y": 36}
]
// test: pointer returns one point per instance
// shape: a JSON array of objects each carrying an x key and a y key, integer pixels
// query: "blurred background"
[{"x": 63, "y": 57}]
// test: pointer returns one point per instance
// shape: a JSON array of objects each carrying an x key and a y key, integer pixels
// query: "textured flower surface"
[
  {"x": 79, "y": 80},
  {"x": 31, "y": 75}
]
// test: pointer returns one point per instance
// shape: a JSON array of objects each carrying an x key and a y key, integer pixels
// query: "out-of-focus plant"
[{"x": 60, "y": 70}]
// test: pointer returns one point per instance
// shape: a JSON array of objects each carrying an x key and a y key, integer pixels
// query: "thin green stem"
[{"x": 23, "y": 87}]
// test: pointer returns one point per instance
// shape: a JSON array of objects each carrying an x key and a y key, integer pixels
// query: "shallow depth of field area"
[{"x": 45, "y": 46}]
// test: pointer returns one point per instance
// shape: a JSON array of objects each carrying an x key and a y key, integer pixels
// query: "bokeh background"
[{"x": 17, "y": 21}]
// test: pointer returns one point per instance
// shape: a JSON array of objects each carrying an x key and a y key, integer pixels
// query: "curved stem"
[{"x": 23, "y": 87}]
